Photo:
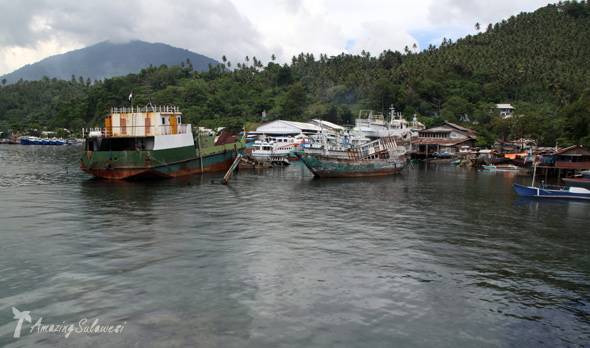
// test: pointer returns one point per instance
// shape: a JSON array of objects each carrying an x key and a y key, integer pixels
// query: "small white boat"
[
  {"x": 376, "y": 125},
  {"x": 276, "y": 146},
  {"x": 504, "y": 168}
]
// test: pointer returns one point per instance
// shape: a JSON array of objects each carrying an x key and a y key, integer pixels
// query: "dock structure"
[
  {"x": 279, "y": 160},
  {"x": 249, "y": 162}
]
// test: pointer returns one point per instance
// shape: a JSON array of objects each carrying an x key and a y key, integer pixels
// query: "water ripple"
[{"x": 439, "y": 256}]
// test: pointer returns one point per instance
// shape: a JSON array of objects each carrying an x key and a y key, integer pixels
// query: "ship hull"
[
  {"x": 577, "y": 182},
  {"x": 563, "y": 193},
  {"x": 170, "y": 163},
  {"x": 325, "y": 167}
]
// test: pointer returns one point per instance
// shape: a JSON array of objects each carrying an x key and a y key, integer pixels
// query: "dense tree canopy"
[{"x": 537, "y": 61}]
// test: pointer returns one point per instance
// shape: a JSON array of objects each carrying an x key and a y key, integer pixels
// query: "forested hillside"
[{"x": 537, "y": 61}]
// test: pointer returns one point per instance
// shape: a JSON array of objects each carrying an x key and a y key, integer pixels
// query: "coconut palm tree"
[{"x": 20, "y": 316}]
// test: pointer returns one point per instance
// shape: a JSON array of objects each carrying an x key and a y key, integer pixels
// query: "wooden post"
[
  {"x": 231, "y": 169},
  {"x": 200, "y": 150}
]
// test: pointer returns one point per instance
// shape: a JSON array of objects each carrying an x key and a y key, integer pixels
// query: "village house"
[
  {"x": 503, "y": 146},
  {"x": 518, "y": 145},
  {"x": 445, "y": 139},
  {"x": 506, "y": 110},
  {"x": 573, "y": 157}
]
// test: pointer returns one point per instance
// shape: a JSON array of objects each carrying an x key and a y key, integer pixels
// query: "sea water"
[{"x": 438, "y": 256}]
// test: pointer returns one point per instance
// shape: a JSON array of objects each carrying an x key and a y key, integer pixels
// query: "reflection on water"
[{"x": 440, "y": 255}]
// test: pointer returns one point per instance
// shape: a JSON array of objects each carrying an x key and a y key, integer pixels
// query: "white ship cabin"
[
  {"x": 143, "y": 128},
  {"x": 276, "y": 145}
]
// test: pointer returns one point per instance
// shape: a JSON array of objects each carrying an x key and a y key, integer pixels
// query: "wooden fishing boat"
[
  {"x": 547, "y": 191},
  {"x": 550, "y": 191},
  {"x": 577, "y": 182},
  {"x": 504, "y": 168},
  {"x": 378, "y": 157}
]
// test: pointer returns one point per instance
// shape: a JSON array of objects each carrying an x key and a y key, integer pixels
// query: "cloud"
[
  {"x": 379, "y": 36},
  {"x": 34, "y": 29},
  {"x": 460, "y": 13}
]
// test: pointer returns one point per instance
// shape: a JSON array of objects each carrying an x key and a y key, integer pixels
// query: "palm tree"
[
  {"x": 24, "y": 315},
  {"x": 224, "y": 60}
]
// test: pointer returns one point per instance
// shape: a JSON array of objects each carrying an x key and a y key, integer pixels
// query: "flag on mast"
[{"x": 130, "y": 95}]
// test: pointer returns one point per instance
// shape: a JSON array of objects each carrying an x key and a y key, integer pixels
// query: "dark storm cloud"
[{"x": 213, "y": 28}]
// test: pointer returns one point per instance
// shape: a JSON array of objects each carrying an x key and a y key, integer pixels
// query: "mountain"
[{"x": 107, "y": 59}]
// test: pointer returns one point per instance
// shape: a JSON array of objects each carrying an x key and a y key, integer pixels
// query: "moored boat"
[
  {"x": 378, "y": 157},
  {"x": 546, "y": 191},
  {"x": 496, "y": 160},
  {"x": 276, "y": 146},
  {"x": 577, "y": 182},
  {"x": 13, "y": 140},
  {"x": 504, "y": 168},
  {"x": 42, "y": 141},
  {"x": 152, "y": 142},
  {"x": 375, "y": 125}
]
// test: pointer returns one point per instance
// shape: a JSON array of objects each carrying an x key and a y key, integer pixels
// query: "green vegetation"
[{"x": 538, "y": 62}]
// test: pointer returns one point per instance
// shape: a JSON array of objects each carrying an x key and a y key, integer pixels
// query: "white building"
[
  {"x": 506, "y": 110},
  {"x": 280, "y": 127},
  {"x": 327, "y": 126}
]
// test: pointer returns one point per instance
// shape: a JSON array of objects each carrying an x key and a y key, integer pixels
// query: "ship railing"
[
  {"x": 129, "y": 131},
  {"x": 180, "y": 129},
  {"x": 147, "y": 108},
  {"x": 376, "y": 146}
]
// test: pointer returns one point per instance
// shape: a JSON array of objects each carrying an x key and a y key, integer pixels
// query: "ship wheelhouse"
[{"x": 140, "y": 128}]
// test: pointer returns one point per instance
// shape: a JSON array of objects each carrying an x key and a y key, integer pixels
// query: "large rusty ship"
[{"x": 152, "y": 142}]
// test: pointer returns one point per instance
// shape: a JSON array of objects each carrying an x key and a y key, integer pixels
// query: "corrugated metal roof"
[
  {"x": 281, "y": 127},
  {"x": 439, "y": 141},
  {"x": 303, "y": 125},
  {"x": 574, "y": 149},
  {"x": 327, "y": 124},
  {"x": 226, "y": 138},
  {"x": 448, "y": 127},
  {"x": 435, "y": 131}
]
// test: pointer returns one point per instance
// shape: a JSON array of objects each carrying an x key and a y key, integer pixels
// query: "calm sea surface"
[{"x": 437, "y": 257}]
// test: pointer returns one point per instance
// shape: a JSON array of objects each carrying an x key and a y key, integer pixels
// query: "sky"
[{"x": 31, "y": 30}]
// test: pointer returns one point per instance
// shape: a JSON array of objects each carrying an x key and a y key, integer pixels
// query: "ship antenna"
[{"x": 147, "y": 89}]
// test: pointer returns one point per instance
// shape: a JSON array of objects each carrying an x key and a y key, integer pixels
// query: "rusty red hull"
[{"x": 211, "y": 163}]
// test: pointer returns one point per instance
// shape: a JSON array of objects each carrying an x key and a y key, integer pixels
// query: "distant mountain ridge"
[{"x": 107, "y": 59}]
